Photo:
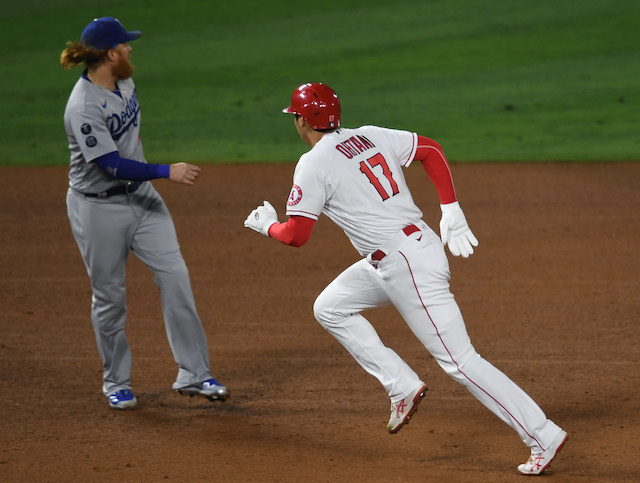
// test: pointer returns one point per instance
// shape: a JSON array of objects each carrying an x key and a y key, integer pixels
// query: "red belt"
[{"x": 379, "y": 254}]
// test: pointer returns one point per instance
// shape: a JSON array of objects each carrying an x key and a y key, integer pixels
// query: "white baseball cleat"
[
  {"x": 402, "y": 411},
  {"x": 209, "y": 389},
  {"x": 539, "y": 462}
]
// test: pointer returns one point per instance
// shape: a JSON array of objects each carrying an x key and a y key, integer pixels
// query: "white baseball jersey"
[
  {"x": 355, "y": 177},
  {"x": 99, "y": 121}
]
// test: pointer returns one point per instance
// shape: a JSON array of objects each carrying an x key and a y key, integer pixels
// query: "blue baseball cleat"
[{"x": 122, "y": 399}]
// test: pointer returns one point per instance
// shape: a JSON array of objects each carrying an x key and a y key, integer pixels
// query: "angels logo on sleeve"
[{"x": 295, "y": 196}]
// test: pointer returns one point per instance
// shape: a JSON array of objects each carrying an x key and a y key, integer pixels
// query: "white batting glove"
[
  {"x": 262, "y": 218},
  {"x": 455, "y": 231}
]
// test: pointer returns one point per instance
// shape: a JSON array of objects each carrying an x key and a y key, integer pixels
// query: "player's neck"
[
  {"x": 103, "y": 77},
  {"x": 314, "y": 137}
]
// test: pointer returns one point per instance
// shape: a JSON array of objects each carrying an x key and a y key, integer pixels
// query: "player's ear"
[{"x": 112, "y": 55}]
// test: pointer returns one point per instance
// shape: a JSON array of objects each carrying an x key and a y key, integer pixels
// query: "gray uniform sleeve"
[{"x": 91, "y": 133}]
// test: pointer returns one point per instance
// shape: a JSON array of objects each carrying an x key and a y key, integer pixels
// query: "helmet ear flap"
[{"x": 318, "y": 104}]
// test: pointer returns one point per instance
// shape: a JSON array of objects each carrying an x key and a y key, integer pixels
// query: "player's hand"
[
  {"x": 262, "y": 218},
  {"x": 455, "y": 231},
  {"x": 184, "y": 173}
]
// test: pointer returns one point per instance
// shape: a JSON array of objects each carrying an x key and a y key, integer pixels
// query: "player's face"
[{"x": 122, "y": 67}]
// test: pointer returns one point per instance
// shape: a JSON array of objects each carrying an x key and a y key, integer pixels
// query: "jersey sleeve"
[
  {"x": 121, "y": 168},
  {"x": 92, "y": 135},
  {"x": 308, "y": 193},
  {"x": 435, "y": 163},
  {"x": 407, "y": 144},
  {"x": 402, "y": 143}
]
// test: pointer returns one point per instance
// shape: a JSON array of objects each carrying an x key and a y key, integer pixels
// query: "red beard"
[{"x": 122, "y": 69}]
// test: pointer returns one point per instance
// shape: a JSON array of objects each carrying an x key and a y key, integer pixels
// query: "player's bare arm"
[{"x": 184, "y": 173}]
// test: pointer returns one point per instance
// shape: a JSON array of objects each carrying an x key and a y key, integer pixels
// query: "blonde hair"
[{"x": 76, "y": 54}]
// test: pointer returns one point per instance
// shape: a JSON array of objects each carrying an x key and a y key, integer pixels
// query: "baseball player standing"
[
  {"x": 355, "y": 177},
  {"x": 113, "y": 209}
]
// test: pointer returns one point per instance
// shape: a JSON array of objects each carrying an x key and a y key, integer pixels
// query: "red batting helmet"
[{"x": 318, "y": 104}]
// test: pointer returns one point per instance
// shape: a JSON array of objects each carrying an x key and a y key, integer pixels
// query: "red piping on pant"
[{"x": 454, "y": 361}]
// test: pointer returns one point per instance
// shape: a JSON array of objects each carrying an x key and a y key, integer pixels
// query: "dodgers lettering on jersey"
[
  {"x": 98, "y": 122},
  {"x": 119, "y": 124},
  {"x": 355, "y": 177}
]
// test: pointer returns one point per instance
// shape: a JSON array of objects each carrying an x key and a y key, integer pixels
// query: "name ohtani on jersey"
[{"x": 354, "y": 146}]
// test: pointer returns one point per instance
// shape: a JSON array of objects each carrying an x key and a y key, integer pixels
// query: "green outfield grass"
[{"x": 493, "y": 80}]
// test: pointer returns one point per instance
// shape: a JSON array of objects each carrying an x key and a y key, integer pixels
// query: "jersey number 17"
[{"x": 378, "y": 160}]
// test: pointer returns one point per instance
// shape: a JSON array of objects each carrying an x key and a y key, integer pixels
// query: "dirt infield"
[{"x": 551, "y": 297}]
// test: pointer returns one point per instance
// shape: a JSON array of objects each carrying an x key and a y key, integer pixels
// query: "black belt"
[
  {"x": 379, "y": 254},
  {"x": 123, "y": 189}
]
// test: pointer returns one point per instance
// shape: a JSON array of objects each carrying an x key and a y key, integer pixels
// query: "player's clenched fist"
[
  {"x": 262, "y": 218},
  {"x": 184, "y": 173}
]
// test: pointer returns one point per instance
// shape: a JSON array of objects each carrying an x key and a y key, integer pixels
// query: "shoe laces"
[
  {"x": 122, "y": 394},
  {"x": 211, "y": 383},
  {"x": 398, "y": 409},
  {"x": 536, "y": 460}
]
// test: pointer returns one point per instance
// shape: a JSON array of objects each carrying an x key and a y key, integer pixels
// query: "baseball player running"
[
  {"x": 355, "y": 177},
  {"x": 113, "y": 209}
]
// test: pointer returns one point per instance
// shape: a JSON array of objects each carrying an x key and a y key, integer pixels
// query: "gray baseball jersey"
[{"x": 99, "y": 121}]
